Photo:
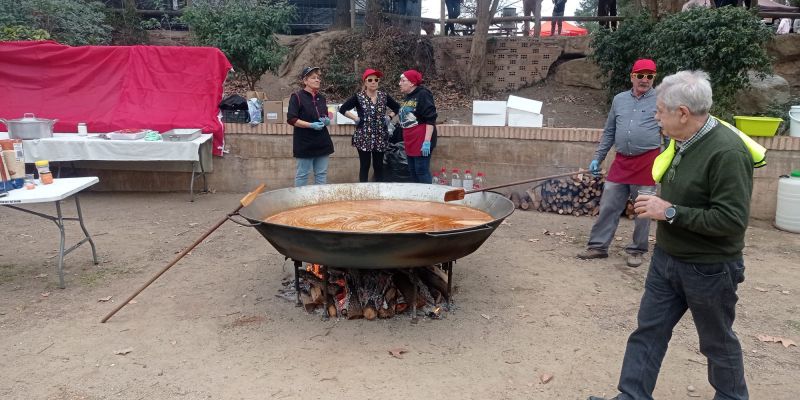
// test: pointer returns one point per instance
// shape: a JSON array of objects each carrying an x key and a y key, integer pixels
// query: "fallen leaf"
[
  {"x": 486, "y": 316},
  {"x": 124, "y": 351},
  {"x": 545, "y": 378},
  {"x": 398, "y": 352},
  {"x": 46, "y": 294},
  {"x": 775, "y": 339},
  {"x": 785, "y": 292},
  {"x": 104, "y": 299},
  {"x": 41, "y": 276}
]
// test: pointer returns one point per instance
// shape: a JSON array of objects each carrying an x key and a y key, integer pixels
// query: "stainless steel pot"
[
  {"x": 372, "y": 250},
  {"x": 29, "y": 127}
]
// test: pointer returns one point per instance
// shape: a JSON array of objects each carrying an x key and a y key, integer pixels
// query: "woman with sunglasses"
[
  {"x": 311, "y": 142},
  {"x": 371, "y": 135}
]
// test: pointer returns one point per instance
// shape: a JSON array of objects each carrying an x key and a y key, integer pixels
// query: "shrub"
[
  {"x": 244, "y": 30},
  {"x": 18, "y": 32},
  {"x": 73, "y": 22}
]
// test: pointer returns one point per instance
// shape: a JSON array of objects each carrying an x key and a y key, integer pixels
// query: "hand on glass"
[
  {"x": 650, "y": 206},
  {"x": 426, "y": 148}
]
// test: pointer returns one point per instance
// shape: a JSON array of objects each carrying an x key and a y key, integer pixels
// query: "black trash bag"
[
  {"x": 395, "y": 164},
  {"x": 233, "y": 102},
  {"x": 396, "y": 136}
]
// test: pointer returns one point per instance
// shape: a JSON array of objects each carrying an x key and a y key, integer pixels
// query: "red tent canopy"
[
  {"x": 114, "y": 87},
  {"x": 567, "y": 29}
]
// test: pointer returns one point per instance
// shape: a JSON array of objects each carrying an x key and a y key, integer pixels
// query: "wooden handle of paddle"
[
  {"x": 246, "y": 200},
  {"x": 541, "y": 178}
]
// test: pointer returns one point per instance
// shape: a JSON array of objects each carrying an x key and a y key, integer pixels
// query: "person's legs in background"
[
  {"x": 377, "y": 165},
  {"x": 320, "y": 170},
  {"x": 422, "y": 166},
  {"x": 303, "y": 169},
  {"x": 412, "y": 169},
  {"x": 612, "y": 203},
  {"x": 364, "y": 158}
]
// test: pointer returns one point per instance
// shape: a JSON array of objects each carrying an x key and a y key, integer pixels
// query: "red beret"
[{"x": 413, "y": 76}]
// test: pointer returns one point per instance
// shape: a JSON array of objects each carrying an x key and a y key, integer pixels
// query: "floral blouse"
[{"x": 371, "y": 133}]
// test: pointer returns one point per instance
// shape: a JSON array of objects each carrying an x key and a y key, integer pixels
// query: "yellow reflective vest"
[{"x": 664, "y": 160}]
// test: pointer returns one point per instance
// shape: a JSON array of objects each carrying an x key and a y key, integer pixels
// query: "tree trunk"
[
  {"x": 537, "y": 15},
  {"x": 373, "y": 17},
  {"x": 341, "y": 18},
  {"x": 477, "y": 54}
]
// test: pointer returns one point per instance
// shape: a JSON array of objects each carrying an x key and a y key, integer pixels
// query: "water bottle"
[
  {"x": 455, "y": 179},
  {"x": 468, "y": 182},
  {"x": 443, "y": 177},
  {"x": 435, "y": 180},
  {"x": 479, "y": 182}
]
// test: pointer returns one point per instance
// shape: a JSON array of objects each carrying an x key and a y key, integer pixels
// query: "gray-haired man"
[{"x": 697, "y": 262}]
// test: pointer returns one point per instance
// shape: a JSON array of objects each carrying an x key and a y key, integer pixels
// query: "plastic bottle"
[
  {"x": 443, "y": 176},
  {"x": 468, "y": 182},
  {"x": 480, "y": 181},
  {"x": 455, "y": 179},
  {"x": 435, "y": 178}
]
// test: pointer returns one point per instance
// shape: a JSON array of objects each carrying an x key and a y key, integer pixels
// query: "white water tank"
[{"x": 787, "y": 213}]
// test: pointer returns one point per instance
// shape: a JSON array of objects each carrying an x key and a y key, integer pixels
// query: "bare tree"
[
  {"x": 341, "y": 17},
  {"x": 477, "y": 55}
]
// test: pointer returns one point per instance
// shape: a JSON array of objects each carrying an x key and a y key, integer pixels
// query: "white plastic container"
[
  {"x": 787, "y": 213},
  {"x": 794, "y": 121}
]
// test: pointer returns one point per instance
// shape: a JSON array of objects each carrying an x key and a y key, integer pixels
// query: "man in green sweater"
[{"x": 697, "y": 263}]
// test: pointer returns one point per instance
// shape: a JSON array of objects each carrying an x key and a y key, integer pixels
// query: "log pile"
[
  {"x": 371, "y": 294},
  {"x": 576, "y": 195}
]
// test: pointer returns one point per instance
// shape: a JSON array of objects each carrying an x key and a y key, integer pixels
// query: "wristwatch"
[{"x": 670, "y": 213}]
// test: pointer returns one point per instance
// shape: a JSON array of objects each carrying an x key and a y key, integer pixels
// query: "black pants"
[
  {"x": 367, "y": 157},
  {"x": 671, "y": 288}
]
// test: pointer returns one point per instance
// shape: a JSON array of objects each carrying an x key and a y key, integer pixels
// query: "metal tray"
[{"x": 181, "y": 135}]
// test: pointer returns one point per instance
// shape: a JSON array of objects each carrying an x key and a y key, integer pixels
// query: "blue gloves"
[
  {"x": 317, "y": 126},
  {"x": 426, "y": 148},
  {"x": 325, "y": 120},
  {"x": 594, "y": 167}
]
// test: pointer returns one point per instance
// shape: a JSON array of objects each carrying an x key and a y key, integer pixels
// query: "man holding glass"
[
  {"x": 632, "y": 129},
  {"x": 697, "y": 262}
]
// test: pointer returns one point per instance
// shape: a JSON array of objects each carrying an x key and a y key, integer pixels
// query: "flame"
[{"x": 315, "y": 269}]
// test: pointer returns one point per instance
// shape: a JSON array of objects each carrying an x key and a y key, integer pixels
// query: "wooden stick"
[{"x": 244, "y": 202}]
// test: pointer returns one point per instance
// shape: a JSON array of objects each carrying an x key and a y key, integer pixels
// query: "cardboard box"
[
  {"x": 488, "y": 113},
  {"x": 254, "y": 93},
  {"x": 341, "y": 119},
  {"x": 273, "y": 112},
  {"x": 286, "y": 106},
  {"x": 524, "y": 112}
]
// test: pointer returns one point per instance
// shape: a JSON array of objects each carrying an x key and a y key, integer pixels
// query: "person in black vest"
[
  {"x": 418, "y": 119},
  {"x": 311, "y": 144}
]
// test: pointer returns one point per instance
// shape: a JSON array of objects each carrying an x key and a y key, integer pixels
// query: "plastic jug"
[
  {"x": 787, "y": 212},
  {"x": 794, "y": 121}
]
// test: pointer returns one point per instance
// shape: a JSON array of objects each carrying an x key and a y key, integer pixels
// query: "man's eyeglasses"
[
  {"x": 642, "y": 76},
  {"x": 675, "y": 161},
  {"x": 373, "y": 80}
]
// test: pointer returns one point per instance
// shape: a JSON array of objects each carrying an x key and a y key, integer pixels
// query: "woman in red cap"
[
  {"x": 371, "y": 135},
  {"x": 418, "y": 119}
]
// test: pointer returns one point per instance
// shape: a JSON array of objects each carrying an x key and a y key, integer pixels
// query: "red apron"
[
  {"x": 413, "y": 138},
  {"x": 633, "y": 170}
]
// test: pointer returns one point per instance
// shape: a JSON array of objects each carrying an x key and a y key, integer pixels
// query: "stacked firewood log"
[
  {"x": 370, "y": 294},
  {"x": 576, "y": 195}
]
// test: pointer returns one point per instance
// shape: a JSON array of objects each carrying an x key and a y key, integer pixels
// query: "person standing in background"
[
  {"x": 632, "y": 129},
  {"x": 418, "y": 119},
  {"x": 373, "y": 109},
  {"x": 311, "y": 142},
  {"x": 558, "y": 11}
]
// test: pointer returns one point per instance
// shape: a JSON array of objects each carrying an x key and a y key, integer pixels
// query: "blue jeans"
[
  {"x": 420, "y": 168},
  {"x": 304, "y": 167},
  {"x": 709, "y": 292},
  {"x": 612, "y": 204}
]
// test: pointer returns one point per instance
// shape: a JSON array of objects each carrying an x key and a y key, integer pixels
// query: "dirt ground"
[{"x": 213, "y": 328}]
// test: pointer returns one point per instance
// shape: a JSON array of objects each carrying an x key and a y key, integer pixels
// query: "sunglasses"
[
  {"x": 642, "y": 76},
  {"x": 373, "y": 80},
  {"x": 675, "y": 161}
]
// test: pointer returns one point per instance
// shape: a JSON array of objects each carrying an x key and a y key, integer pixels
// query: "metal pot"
[
  {"x": 372, "y": 250},
  {"x": 29, "y": 127}
]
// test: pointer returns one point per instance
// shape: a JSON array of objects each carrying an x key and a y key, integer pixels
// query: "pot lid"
[{"x": 29, "y": 118}]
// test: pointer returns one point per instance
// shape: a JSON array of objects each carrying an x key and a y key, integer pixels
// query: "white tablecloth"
[{"x": 71, "y": 147}]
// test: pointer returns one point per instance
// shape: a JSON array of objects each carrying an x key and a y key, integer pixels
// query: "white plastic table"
[
  {"x": 59, "y": 190},
  {"x": 72, "y": 147}
]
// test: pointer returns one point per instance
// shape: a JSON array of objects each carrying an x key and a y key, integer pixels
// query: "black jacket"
[
  {"x": 420, "y": 104},
  {"x": 308, "y": 143}
]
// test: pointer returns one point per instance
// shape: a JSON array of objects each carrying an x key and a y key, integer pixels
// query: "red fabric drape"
[{"x": 114, "y": 87}]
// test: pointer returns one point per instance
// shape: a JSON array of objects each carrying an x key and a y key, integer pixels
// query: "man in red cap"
[
  {"x": 632, "y": 129},
  {"x": 418, "y": 119}
]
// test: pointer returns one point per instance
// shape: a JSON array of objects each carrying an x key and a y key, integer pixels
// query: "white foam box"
[
  {"x": 339, "y": 118},
  {"x": 488, "y": 113},
  {"x": 524, "y": 112}
]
